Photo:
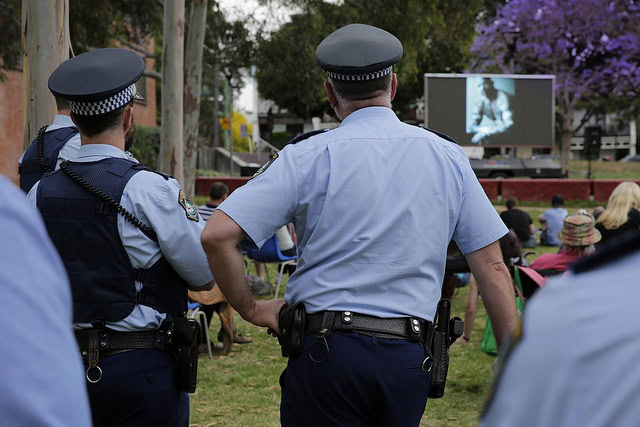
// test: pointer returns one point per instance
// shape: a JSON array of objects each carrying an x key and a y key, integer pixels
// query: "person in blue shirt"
[
  {"x": 552, "y": 220},
  {"x": 374, "y": 205},
  {"x": 41, "y": 373},
  {"x": 130, "y": 241},
  {"x": 55, "y": 143}
]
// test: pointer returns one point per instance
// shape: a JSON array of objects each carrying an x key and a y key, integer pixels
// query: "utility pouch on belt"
[
  {"x": 291, "y": 322},
  {"x": 184, "y": 340},
  {"x": 445, "y": 332}
]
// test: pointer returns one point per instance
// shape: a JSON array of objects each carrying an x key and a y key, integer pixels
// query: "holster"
[
  {"x": 445, "y": 332},
  {"x": 184, "y": 338},
  {"x": 291, "y": 322}
]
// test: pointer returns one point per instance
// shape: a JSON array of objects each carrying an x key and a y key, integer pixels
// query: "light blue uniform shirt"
[
  {"x": 577, "y": 361},
  {"x": 154, "y": 201},
  {"x": 69, "y": 150},
  {"x": 374, "y": 203},
  {"x": 41, "y": 374}
]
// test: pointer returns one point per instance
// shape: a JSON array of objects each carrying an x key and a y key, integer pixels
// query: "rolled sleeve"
[
  {"x": 268, "y": 201},
  {"x": 478, "y": 223}
]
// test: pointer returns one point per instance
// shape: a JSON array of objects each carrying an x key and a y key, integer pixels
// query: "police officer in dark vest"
[
  {"x": 55, "y": 143},
  {"x": 375, "y": 203},
  {"x": 130, "y": 242}
]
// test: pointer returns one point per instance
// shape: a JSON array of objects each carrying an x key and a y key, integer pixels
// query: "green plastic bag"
[{"x": 488, "y": 343}]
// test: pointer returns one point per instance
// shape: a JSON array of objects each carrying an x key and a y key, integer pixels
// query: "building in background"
[{"x": 12, "y": 113}]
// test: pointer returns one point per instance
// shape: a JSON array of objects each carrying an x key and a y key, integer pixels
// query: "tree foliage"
[
  {"x": 10, "y": 45},
  {"x": 436, "y": 37},
  {"x": 591, "y": 46}
]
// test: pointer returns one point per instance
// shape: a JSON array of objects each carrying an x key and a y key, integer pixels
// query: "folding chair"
[
  {"x": 270, "y": 253},
  {"x": 194, "y": 312}
]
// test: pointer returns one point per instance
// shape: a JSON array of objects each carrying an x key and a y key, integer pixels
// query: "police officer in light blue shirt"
[
  {"x": 374, "y": 203},
  {"x": 55, "y": 143},
  {"x": 129, "y": 239},
  {"x": 575, "y": 362},
  {"x": 41, "y": 374}
]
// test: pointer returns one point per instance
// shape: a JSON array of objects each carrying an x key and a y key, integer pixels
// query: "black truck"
[{"x": 513, "y": 167}]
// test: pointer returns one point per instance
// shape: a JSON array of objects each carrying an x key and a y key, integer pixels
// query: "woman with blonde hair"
[{"x": 622, "y": 214}]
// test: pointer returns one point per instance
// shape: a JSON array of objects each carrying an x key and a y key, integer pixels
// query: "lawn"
[{"x": 241, "y": 389}]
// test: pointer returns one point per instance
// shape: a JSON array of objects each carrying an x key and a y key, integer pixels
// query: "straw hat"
[{"x": 578, "y": 230}]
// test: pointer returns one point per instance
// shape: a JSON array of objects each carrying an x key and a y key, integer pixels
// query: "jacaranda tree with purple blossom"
[{"x": 591, "y": 46}]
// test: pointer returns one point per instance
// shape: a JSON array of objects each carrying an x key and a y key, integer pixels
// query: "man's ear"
[
  {"x": 73, "y": 118},
  {"x": 333, "y": 101},
  {"x": 127, "y": 118},
  {"x": 394, "y": 85}
]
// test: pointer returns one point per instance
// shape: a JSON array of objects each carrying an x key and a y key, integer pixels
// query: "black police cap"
[
  {"x": 99, "y": 81},
  {"x": 358, "y": 52}
]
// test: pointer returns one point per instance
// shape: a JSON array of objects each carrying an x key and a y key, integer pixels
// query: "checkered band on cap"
[
  {"x": 103, "y": 106},
  {"x": 360, "y": 77}
]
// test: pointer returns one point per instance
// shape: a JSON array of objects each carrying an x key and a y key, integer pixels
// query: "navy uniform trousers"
[
  {"x": 364, "y": 381},
  {"x": 138, "y": 389}
]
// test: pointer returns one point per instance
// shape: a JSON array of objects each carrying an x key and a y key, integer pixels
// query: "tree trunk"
[
  {"x": 45, "y": 44},
  {"x": 171, "y": 146},
  {"x": 192, "y": 89},
  {"x": 567, "y": 134}
]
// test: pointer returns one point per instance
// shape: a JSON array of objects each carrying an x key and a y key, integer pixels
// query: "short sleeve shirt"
[
  {"x": 374, "y": 204},
  {"x": 575, "y": 363},
  {"x": 154, "y": 200},
  {"x": 554, "y": 218},
  {"x": 41, "y": 374}
]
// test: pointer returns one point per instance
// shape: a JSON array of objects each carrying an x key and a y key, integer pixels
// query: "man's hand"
[{"x": 266, "y": 314}]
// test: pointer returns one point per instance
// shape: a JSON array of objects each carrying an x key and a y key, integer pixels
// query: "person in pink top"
[{"x": 578, "y": 237}]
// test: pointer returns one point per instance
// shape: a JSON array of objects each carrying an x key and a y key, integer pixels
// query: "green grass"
[
  {"x": 242, "y": 389},
  {"x": 578, "y": 169}
]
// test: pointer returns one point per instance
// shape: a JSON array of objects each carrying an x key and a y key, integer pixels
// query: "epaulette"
[
  {"x": 608, "y": 252},
  {"x": 440, "y": 134},
  {"x": 143, "y": 167},
  {"x": 307, "y": 135}
]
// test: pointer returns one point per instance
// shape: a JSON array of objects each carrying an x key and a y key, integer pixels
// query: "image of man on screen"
[{"x": 490, "y": 115}]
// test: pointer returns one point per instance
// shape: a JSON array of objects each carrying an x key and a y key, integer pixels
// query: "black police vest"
[
  {"x": 85, "y": 233},
  {"x": 31, "y": 170}
]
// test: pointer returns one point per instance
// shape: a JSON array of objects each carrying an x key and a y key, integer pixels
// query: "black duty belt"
[
  {"x": 112, "y": 341},
  {"x": 408, "y": 328}
]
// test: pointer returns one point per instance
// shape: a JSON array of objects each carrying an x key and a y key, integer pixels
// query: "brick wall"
[
  {"x": 11, "y": 129},
  {"x": 11, "y": 116}
]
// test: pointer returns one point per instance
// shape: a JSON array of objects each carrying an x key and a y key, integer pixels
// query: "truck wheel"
[{"x": 499, "y": 175}]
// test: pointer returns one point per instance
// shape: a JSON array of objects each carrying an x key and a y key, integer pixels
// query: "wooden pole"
[
  {"x": 171, "y": 142},
  {"x": 45, "y": 45},
  {"x": 192, "y": 90}
]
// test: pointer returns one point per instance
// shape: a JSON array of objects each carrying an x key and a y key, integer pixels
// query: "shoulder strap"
[
  {"x": 145, "y": 229},
  {"x": 307, "y": 135},
  {"x": 40, "y": 149},
  {"x": 440, "y": 134}
]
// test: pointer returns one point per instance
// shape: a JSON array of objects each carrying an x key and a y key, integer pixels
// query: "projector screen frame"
[{"x": 464, "y": 76}]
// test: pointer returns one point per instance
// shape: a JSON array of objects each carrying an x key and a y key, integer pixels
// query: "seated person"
[
  {"x": 578, "y": 237},
  {"x": 551, "y": 221},
  {"x": 213, "y": 300},
  {"x": 622, "y": 214},
  {"x": 520, "y": 222}
]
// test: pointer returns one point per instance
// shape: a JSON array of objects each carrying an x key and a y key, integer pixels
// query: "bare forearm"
[
  {"x": 228, "y": 269},
  {"x": 496, "y": 288}
]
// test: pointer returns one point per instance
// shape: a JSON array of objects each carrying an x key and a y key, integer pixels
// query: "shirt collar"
[
  {"x": 370, "y": 113},
  {"x": 94, "y": 152},
  {"x": 60, "y": 121}
]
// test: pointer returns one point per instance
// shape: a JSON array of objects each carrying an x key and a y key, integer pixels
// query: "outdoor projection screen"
[{"x": 491, "y": 110}]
